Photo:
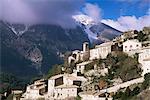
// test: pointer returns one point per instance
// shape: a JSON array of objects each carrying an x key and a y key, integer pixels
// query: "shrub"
[
  {"x": 55, "y": 70},
  {"x": 135, "y": 91},
  {"x": 146, "y": 82}
]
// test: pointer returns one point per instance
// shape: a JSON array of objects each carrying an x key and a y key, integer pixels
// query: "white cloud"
[
  {"x": 125, "y": 23},
  {"x": 57, "y": 12},
  {"x": 93, "y": 11}
]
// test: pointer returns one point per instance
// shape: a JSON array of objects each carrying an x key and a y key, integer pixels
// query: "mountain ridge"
[
  {"x": 40, "y": 46},
  {"x": 95, "y": 30}
]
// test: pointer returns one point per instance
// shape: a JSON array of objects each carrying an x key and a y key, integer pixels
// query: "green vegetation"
[
  {"x": 9, "y": 81},
  {"x": 141, "y": 36},
  {"x": 146, "y": 82},
  {"x": 122, "y": 66},
  {"x": 55, "y": 70},
  {"x": 89, "y": 66},
  {"x": 10, "y": 97},
  {"x": 128, "y": 94},
  {"x": 144, "y": 95},
  {"x": 78, "y": 97}
]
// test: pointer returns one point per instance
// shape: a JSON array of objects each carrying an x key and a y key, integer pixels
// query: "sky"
[
  {"x": 124, "y": 15},
  {"x": 121, "y": 14},
  {"x": 113, "y": 9}
]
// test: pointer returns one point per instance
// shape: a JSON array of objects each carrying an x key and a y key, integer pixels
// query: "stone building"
[
  {"x": 64, "y": 86},
  {"x": 35, "y": 90},
  {"x": 100, "y": 51},
  {"x": 144, "y": 59},
  {"x": 131, "y": 46}
]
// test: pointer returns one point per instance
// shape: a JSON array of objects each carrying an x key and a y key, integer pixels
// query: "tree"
[
  {"x": 128, "y": 69},
  {"x": 89, "y": 66},
  {"x": 135, "y": 32},
  {"x": 78, "y": 97},
  {"x": 9, "y": 81},
  {"x": 146, "y": 82},
  {"x": 141, "y": 36},
  {"x": 55, "y": 70},
  {"x": 126, "y": 94},
  {"x": 135, "y": 91},
  {"x": 118, "y": 95}
]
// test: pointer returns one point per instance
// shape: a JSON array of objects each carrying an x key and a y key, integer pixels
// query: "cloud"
[
  {"x": 93, "y": 11},
  {"x": 125, "y": 23},
  {"x": 58, "y": 12}
]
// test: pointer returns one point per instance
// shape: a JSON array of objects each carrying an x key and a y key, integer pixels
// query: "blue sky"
[
  {"x": 113, "y": 9},
  {"x": 123, "y": 15}
]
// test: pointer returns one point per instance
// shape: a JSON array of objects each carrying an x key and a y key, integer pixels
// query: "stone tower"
[{"x": 85, "y": 46}]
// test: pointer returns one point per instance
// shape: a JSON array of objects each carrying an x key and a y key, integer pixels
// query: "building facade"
[
  {"x": 100, "y": 51},
  {"x": 144, "y": 59},
  {"x": 35, "y": 90},
  {"x": 64, "y": 86},
  {"x": 130, "y": 46}
]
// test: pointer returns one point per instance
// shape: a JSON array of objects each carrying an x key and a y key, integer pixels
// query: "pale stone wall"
[
  {"x": 123, "y": 85},
  {"x": 94, "y": 54},
  {"x": 144, "y": 59},
  {"x": 67, "y": 89},
  {"x": 131, "y": 45},
  {"x": 63, "y": 93},
  {"x": 51, "y": 87},
  {"x": 81, "y": 66},
  {"x": 100, "y": 51},
  {"x": 93, "y": 97},
  {"x": 31, "y": 93}
]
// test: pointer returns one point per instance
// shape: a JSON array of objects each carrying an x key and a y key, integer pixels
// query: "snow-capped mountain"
[
  {"x": 84, "y": 19},
  {"x": 97, "y": 32}
]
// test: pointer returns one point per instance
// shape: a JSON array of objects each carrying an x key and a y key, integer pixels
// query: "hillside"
[{"x": 32, "y": 50}]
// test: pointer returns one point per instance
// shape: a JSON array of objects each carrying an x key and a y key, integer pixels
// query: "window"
[
  {"x": 125, "y": 46},
  {"x": 59, "y": 81},
  {"x": 79, "y": 67},
  {"x": 137, "y": 45},
  {"x": 130, "y": 46}
]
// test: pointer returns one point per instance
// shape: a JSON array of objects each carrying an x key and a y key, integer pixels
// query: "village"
[{"x": 79, "y": 81}]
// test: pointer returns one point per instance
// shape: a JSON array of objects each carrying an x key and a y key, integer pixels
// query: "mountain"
[
  {"x": 30, "y": 50},
  {"x": 97, "y": 32}
]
